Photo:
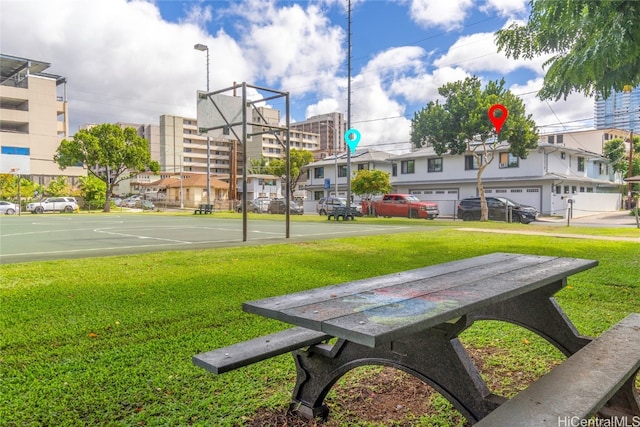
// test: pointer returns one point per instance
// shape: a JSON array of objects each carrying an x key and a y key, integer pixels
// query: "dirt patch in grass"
[
  {"x": 389, "y": 397},
  {"x": 383, "y": 396}
]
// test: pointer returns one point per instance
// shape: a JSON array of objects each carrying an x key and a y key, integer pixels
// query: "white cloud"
[
  {"x": 551, "y": 116},
  {"x": 324, "y": 106},
  {"x": 448, "y": 14},
  {"x": 424, "y": 88},
  {"x": 505, "y": 7},
  {"x": 478, "y": 52},
  {"x": 122, "y": 61},
  {"x": 297, "y": 49}
]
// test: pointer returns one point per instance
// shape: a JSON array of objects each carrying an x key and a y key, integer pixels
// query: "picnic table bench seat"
[
  {"x": 340, "y": 212},
  {"x": 247, "y": 352},
  {"x": 581, "y": 385},
  {"x": 204, "y": 209}
]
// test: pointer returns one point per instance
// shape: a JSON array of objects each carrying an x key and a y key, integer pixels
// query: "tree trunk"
[
  {"x": 484, "y": 210},
  {"x": 107, "y": 203}
]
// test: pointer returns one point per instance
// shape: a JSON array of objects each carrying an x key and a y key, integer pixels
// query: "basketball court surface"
[{"x": 54, "y": 236}]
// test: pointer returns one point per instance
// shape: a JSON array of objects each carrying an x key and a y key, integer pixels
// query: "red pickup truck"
[{"x": 403, "y": 205}]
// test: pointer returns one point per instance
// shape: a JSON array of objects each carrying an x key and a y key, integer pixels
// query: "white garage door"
[
  {"x": 530, "y": 196},
  {"x": 446, "y": 198}
]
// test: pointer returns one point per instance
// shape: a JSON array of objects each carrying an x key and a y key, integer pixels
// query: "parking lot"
[{"x": 55, "y": 236}]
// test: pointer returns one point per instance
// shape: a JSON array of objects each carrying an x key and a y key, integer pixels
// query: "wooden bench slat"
[
  {"x": 578, "y": 387},
  {"x": 247, "y": 352},
  {"x": 264, "y": 307}
]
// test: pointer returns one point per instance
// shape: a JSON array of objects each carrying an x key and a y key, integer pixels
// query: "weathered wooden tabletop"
[{"x": 376, "y": 310}]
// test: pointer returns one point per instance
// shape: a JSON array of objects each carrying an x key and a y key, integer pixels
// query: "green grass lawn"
[{"x": 109, "y": 341}]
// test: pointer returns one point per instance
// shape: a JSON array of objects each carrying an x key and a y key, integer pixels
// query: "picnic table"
[{"x": 411, "y": 321}]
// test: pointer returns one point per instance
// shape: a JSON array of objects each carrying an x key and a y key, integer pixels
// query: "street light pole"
[{"x": 202, "y": 48}]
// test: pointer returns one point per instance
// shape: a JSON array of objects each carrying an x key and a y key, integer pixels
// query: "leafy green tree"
[
  {"x": 368, "y": 183},
  {"x": 615, "y": 151},
  {"x": 594, "y": 46},
  {"x": 258, "y": 166},
  {"x": 9, "y": 187},
  {"x": 461, "y": 125},
  {"x": 58, "y": 187},
  {"x": 298, "y": 160},
  {"x": 109, "y": 152},
  {"x": 93, "y": 190}
]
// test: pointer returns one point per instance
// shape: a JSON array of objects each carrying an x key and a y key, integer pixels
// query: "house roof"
[
  {"x": 363, "y": 155},
  {"x": 191, "y": 181},
  {"x": 633, "y": 179}
]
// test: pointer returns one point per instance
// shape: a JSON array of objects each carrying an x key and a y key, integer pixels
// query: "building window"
[
  {"x": 363, "y": 166},
  {"x": 508, "y": 160},
  {"x": 551, "y": 139},
  {"x": 408, "y": 167},
  {"x": 342, "y": 171},
  {"x": 17, "y": 151},
  {"x": 434, "y": 165},
  {"x": 318, "y": 172},
  {"x": 394, "y": 169},
  {"x": 560, "y": 139},
  {"x": 580, "y": 164},
  {"x": 471, "y": 163},
  {"x": 317, "y": 195}
]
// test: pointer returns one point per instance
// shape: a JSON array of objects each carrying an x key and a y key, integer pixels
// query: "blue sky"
[{"x": 131, "y": 61}]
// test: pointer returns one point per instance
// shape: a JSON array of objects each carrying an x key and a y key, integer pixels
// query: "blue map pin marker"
[{"x": 352, "y": 138}]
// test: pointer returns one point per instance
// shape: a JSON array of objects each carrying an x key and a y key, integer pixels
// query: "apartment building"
[
  {"x": 620, "y": 110},
  {"x": 34, "y": 119},
  {"x": 270, "y": 143},
  {"x": 330, "y": 129}
]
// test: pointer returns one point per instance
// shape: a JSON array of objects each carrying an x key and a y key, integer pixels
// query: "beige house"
[{"x": 190, "y": 191}]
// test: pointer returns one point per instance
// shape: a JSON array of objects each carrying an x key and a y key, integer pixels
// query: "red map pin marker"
[{"x": 498, "y": 121}]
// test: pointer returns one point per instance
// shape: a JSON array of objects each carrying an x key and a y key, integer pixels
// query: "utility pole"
[{"x": 349, "y": 106}]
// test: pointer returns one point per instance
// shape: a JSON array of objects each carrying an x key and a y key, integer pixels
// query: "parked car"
[
  {"x": 278, "y": 206},
  {"x": 54, "y": 204},
  {"x": 257, "y": 205},
  {"x": 469, "y": 210},
  {"x": 326, "y": 205},
  {"x": 144, "y": 204},
  {"x": 8, "y": 208}
]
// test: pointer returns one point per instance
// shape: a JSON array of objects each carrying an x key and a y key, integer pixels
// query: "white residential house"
[
  {"x": 261, "y": 185},
  {"x": 328, "y": 177},
  {"x": 546, "y": 179}
]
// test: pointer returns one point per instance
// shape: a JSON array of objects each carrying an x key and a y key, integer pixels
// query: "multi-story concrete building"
[
  {"x": 620, "y": 110},
  {"x": 330, "y": 128},
  {"x": 270, "y": 144},
  {"x": 34, "y": 120}
]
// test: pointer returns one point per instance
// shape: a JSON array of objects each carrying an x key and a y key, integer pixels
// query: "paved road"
[{"x": 55, "y": 236}]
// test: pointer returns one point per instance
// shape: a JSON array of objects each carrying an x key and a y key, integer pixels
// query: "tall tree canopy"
[
  {"x": 594, "y": 45},
  {"x": 298, "y": 158},
  {"x": 461, "y": 125},
  {"x": 109, "y": 152}
]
